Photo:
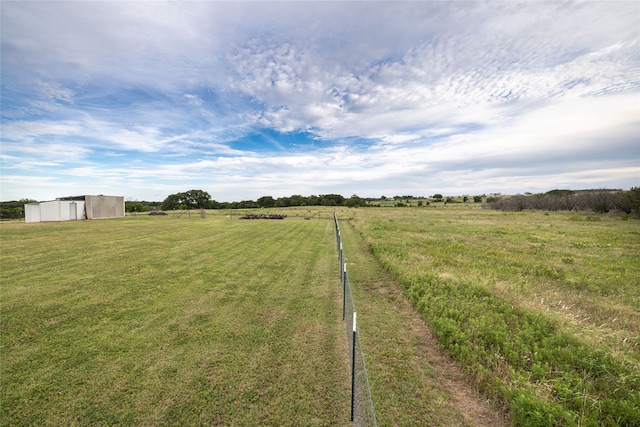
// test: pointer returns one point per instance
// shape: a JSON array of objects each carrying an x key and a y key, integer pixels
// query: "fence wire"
[{"x": 362, "y": 410}]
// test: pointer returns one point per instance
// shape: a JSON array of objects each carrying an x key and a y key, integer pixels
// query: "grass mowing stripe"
[{"x": 206, "y": 322}]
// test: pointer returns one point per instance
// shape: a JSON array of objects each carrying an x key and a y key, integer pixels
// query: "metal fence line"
[{"x": 362, "y": 410}]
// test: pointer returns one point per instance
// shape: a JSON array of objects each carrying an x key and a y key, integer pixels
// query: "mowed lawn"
[{"x": 172, "y": 321}]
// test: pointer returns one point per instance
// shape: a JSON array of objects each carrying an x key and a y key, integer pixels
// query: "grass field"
[
  {"x": 542, "y": 309},
  {"x": 219, "y": 321},
  {"x": 165, "y": 321}
]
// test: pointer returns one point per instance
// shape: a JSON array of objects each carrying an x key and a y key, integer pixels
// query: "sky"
[{"x": 249, "y": 99}]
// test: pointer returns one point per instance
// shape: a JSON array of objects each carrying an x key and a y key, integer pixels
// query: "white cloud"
[
  {"x": 193, "y": 100},
  {"x": 391, "y": 94}
]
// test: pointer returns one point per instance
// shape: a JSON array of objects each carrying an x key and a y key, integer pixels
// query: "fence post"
[
  {"x": 353, "y": 366},
  {"x": 340, "y": 259},
  {"x": 344, "y": 292}
]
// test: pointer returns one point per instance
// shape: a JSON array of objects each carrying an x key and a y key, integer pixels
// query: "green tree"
[
  {"x": 282, "y": 202},
  {"x": 192, "y": 199},
  {"x": 331, "y": 200},
  {"x": 354, "y": 201},
  {"x": 629, "y": 201},
  {"x": 196, "y": 199},
  {"x": 14, "y": 209},
  {"x": 135, "y": 207},
  {"x": 172, "y": 202},
  {"x": 298, "y": 200},
  {"x": 266, "y": 202}
]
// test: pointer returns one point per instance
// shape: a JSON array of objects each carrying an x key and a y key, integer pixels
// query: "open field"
[
  {"x": 219, "y": 321},
  {"x": 541, "y": 309},
  {"x": 167, "y": 321}
]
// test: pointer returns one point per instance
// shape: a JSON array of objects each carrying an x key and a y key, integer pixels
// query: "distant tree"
[
  {"x": 191, "y": 199},
  {"x": 331, "y": 200},
  {"x": 465, "y": 199},
  {"x": 246, "y": 204},
  {"x": 313, "y": 200},
  {"x": 437, "y": 197},
  {"x": 14, "y": 209},
  {"x": 298, "y": 200},
  {"x": 354, "y": 201},
  {"x": 212, "y": 204},
  {"x": 266, "y": 202},
  {"x": 172, "y": 202},
  {"x": 282, "y": 202},
  {"x": 477, "y": 199},
  {"x": 135, "y": 207},
  {"x": 629, "y": 201},
  {"x": 602, "y": 201},
  {"x": 196, "y": 199}
]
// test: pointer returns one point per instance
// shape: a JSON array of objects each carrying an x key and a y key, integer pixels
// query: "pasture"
[
  {"x": 171, "y": 321},
  {"x": 541, "y": 309},
  {"x": 219, "y": 321}
]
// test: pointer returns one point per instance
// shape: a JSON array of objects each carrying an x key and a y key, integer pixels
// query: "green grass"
[
  {"x": 218, "y": 321},
  {"x": 172, "y": 321},
  {"x": 406, "y": 382},
  {"x": 542, "y": 309}
]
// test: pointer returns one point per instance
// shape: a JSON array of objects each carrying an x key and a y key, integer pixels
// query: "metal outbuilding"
[{"x": 75, "y": 208}]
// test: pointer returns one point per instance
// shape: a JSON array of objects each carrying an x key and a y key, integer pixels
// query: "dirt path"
[{"x": 473, "y": 406}]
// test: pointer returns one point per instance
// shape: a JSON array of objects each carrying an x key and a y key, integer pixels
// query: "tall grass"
[
  {"x": 542, "y": 309},
  {"x": 171, "y": 321}
]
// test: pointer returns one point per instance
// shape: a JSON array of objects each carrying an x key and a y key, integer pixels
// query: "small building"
[{"x": 75, "y": 208}]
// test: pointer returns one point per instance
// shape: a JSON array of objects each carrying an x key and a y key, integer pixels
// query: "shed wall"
[
  {"x": 50, "y": 211},
  {"x": 32, "y": 213},
  {"x": 55, "y": 210},
  {"x": 76, "y": 208},
  {"x": 100, "y": 207}
]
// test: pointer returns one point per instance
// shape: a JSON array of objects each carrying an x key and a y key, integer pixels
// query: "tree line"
[
  {"x": 199, "y": 199},
  {"x": 599, "y": 201},
  {"x": 14, "y": 209}
]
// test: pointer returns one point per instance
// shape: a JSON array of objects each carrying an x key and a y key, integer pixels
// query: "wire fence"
[{"x": 362, "y": 411}]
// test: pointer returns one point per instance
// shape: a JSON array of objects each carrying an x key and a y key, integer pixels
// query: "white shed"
[{"x": 74, "y": 208}]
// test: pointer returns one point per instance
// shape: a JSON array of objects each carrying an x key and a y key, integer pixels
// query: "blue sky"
[{"x": 246, "y": 99}]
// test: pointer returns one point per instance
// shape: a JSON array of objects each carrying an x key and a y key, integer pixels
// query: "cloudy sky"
[{"x": 246, "y": 99}]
